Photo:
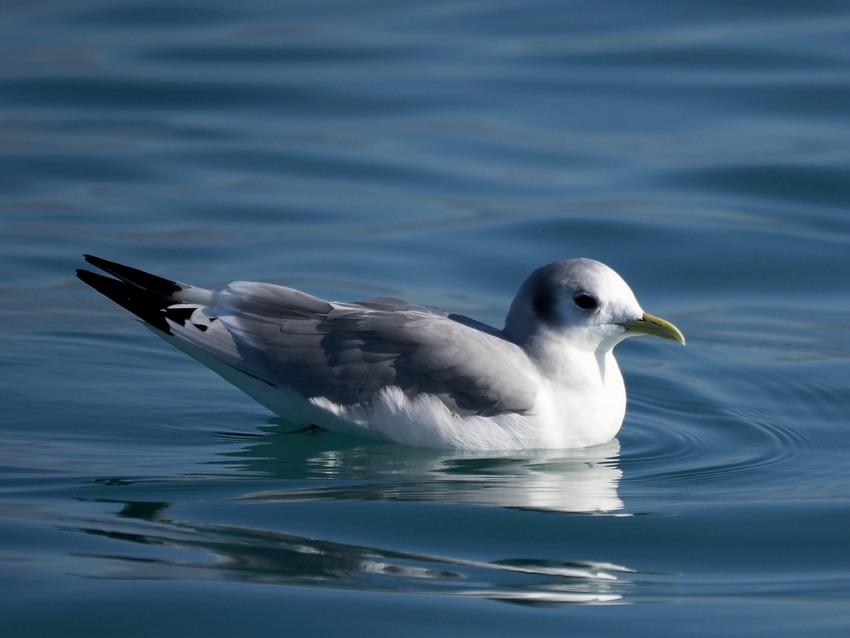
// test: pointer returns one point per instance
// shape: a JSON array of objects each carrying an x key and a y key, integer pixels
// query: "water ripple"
[{"x": 705, "y": 438}]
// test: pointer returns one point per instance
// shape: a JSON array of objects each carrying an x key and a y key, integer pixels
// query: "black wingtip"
[
  {"x": 147, "y": 304},
  {"x": 136, "y": 277}
]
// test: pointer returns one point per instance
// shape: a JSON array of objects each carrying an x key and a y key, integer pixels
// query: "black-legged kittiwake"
[{"x": 416, "y": 375}]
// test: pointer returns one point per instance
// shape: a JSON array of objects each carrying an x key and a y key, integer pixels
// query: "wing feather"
[{"x": 347, "y": 352}]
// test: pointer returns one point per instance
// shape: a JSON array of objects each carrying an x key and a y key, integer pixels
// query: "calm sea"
[{"x": 436, "y": 151}]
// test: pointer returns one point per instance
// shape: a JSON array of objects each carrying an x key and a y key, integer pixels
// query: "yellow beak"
[{"x": 649, "y": 325}]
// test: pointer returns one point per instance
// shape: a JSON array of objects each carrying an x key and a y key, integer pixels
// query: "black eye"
[{"x": 586, "y": 301}]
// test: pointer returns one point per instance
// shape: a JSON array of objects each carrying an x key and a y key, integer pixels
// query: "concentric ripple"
[{"x": 755, "y": 427}]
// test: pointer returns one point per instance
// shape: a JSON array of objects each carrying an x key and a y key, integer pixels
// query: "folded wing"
[
  {"x": 347, "y": 352},
  {"x": 343, "y": 352}
]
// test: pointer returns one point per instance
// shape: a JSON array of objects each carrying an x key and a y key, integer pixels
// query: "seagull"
[{"x": 416, "y": 375}]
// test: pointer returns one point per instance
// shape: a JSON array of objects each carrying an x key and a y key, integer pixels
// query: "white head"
[{"x": 583, "y": 301}]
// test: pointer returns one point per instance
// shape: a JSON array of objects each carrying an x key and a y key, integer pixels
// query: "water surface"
[{"x": 438, "y": 152}]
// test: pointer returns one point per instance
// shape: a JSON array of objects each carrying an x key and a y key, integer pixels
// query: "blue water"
[{"x": 436, "y": 151}]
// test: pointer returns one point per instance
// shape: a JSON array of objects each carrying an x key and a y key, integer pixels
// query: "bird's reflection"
[
  {"x": 187, "y": 550},
  {"x": 182, "y": 543},
  {"x": 580, "y": 481}
]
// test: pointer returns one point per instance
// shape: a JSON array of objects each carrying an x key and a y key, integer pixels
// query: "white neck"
[{"x": 586, "y": 389}]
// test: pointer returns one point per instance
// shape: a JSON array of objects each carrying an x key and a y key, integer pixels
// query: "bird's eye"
[{"x": 586, "y": 301}]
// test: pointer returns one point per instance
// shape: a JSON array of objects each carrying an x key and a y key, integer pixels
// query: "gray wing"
[{"x": 348, "y": 352}]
